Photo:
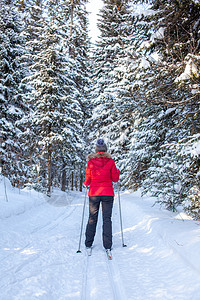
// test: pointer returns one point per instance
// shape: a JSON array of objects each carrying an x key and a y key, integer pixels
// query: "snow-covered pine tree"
[
  {"x": 130, "y": 62},
  {"x": 138, "y": 73},
  {"x": 13, "y": 69},
  {"x": 113, "y": 101},
  {"x": 57, "y": 112},
  {"x": 191, "y": 174},
  {"x": 157, "y": 123},
  {"x": 79, "y": 51},
  {"x": 170, "y": 41},
  {"x": 32, "y": 13},
  {"x": 188, "y": 78}
]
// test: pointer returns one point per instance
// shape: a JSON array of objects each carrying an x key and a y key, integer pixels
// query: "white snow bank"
[
  {"x": 178, "y": 231},
  {"x": 39, "y": 260},
  {"x": 14, "y": 201}
]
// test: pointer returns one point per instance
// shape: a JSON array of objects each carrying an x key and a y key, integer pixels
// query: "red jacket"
[{"x": 100, "y": 173}]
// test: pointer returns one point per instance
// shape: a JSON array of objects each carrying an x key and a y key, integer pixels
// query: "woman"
[{"x": 100, "y": 173}]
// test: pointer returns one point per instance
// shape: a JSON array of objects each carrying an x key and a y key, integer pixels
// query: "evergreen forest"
[{"x": 138, "y": 87}]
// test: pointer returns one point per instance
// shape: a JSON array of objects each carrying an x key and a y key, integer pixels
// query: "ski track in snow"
[
  {"x": 38, "y": 258},
  {"x": 93, "y": 287},
  {"x": 115, "y": 279}
]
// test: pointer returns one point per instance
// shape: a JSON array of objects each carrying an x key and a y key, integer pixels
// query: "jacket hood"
[{"x": 98, "y": 155}]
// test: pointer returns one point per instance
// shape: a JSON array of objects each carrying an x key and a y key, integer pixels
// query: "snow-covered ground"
[{"x": 39, "y": 237}]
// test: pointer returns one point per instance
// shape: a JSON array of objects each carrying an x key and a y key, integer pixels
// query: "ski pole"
[
  {"x": 79, "y": 251},
  {"x": 120, "y": 214}
]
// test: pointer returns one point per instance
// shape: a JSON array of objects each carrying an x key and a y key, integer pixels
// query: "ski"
[
  {"x": 89, "y": 251},
  {"x": 109, "y": 255}
]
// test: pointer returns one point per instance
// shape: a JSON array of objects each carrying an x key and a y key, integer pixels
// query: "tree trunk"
[
  {"x": 21, "y": 5},
  {"x": 63, "y": 185},
  {"x": 71, "y": 48},
  {"x": 81, "y": 181},
  {"x": 72, "y": 186},
  {"x": 49, "y": 171},
  {"x": 76, "y": 182},
  {"x": 38, "y": 171},
  {"x": 72, "y": 15}
]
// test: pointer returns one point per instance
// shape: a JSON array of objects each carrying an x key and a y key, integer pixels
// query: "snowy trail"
[
  {"x": 38, "y": 258},
  {"x": 35, "y": 256},
  {"x": 161, "y": 269},
  {"x": 101, "y": 279}
]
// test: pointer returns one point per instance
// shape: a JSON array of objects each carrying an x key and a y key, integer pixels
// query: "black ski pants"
[{"x": 94, "y": 204}]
